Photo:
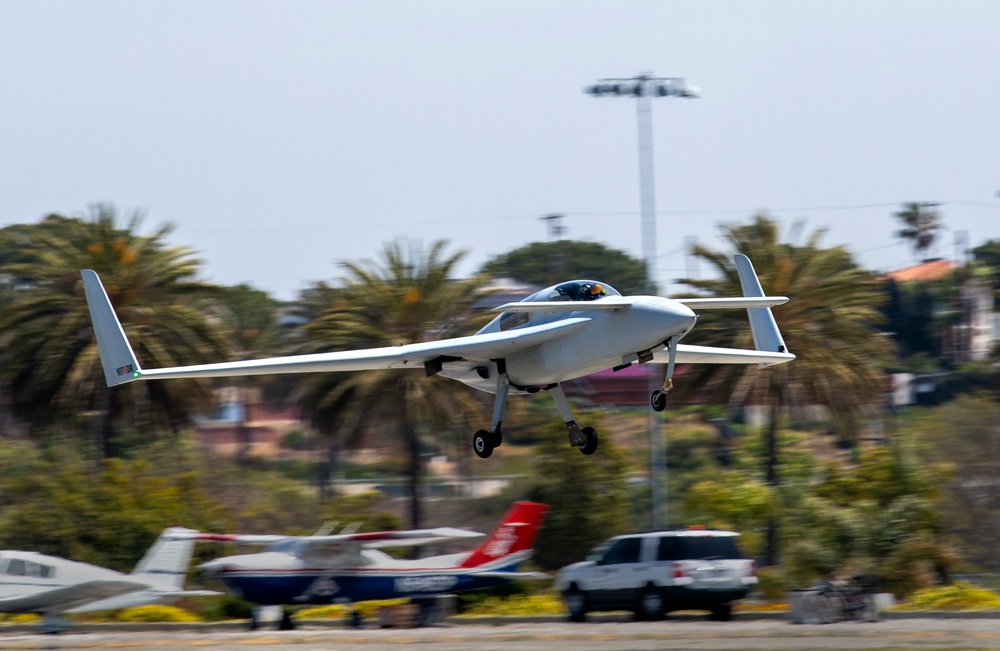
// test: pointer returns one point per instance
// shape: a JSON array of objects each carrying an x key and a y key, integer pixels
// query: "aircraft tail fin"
[
  {"x": 120, "y": 364},
  {"x": 514, "y": 535},
  {"x": 167, "y": 560},
  {"x": 766, "y": 336}
]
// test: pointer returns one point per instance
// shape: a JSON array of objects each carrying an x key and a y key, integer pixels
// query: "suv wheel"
[
  {"x": 651, "y": 604},
  {"x": 722, "y": 612},
  {"x": 576, "y": 604}
]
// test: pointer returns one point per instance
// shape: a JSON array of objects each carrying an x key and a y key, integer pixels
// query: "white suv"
[{"x": 654, "y": 573}]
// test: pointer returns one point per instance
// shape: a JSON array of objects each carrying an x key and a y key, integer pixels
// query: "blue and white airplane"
[
  {"x": 560, "y": 333},
  {"x": 348, "y": 568}
]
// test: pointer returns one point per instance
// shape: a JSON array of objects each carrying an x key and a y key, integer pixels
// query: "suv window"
[
  {"x": 625, "y": 550},
  {"x": 692, "y": 548}
]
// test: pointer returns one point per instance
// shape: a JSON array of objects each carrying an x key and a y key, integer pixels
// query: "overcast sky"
[{"x": 284, "y": 137}]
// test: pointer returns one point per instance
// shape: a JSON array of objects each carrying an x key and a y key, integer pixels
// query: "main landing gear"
[
  {"x": 485, "y": 441},
  {"x": 658, "y": 401}
]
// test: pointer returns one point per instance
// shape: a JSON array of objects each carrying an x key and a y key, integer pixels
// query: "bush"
[
  {"x": 519, "y": 606},
  {"x": 957, "y": 596},
  {"x": 155, "y": 613}
]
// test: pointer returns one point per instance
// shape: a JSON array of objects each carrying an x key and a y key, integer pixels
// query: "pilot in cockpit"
[{"x": 594, "y": 291}]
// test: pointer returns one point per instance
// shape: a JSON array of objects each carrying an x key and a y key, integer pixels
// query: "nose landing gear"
[{"x": 658, "y": 401}]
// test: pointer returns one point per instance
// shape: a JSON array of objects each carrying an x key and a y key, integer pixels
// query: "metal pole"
[
  {"x": 643, "y": 87},
  {"x": 647, "y": 200}
]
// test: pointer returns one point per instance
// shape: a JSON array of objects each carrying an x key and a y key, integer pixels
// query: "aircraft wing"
[
  {"x": 710, "y": 355},
  {"x": 139, "y": 598},
  {"x": 121, "y": 366},
  {"x": 743, "y": 301},
  {"x": 59, "y": 600},
  {"x": 345, "y": 549}
]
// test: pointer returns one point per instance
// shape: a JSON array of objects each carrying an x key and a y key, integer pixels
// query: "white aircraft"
[
  {"x": 560, "y": 333},
  {"x": 35, "y": 583}
]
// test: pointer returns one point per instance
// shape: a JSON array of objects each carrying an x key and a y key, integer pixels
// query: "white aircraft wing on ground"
[
  {"x": 342, "y": 549},
  {"x": 65, "y": 598}
]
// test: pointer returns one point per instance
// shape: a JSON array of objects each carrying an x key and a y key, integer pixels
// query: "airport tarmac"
[{"x": 759, "y": 634}]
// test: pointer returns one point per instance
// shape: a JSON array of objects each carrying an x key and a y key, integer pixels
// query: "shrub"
[
  {"x": 957, "y": 596},
  {"x": 155, "y": 613}
]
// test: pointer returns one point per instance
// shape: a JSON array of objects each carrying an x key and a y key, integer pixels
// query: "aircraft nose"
[{"x": 670, "y": 316}]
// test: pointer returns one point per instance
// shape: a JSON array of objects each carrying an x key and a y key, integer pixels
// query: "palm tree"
[
  {"x": 408, "y": 298},
  {"x": 50, "y": 363},
  {"x": 831, "y": 323},
  {"x": 921, "y": 225}
]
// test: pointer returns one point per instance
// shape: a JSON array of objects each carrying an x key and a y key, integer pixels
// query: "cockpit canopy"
[{"x": 574, "y": 290}]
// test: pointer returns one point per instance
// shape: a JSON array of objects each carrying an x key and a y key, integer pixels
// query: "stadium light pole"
[{"x": 644, "y": 87}]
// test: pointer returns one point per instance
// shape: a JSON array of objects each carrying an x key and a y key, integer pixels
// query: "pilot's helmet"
[{"x": 594, "y": 291}]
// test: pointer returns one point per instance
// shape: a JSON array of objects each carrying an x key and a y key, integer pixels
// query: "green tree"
[
  {"x": 548, "y": 263},
  {"x": 588, "y": 497},
  {"x": 831, "y": 324},
  {"x": 60, "y": 506},
  {"x": 410, "y": 297},
  {"x": 921, "y": 223},
  {"x": 50, "y": 362},
  {"x": 965, "y": 434}
]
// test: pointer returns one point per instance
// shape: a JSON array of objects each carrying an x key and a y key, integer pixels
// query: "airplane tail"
[
  {"x": 167, "y": 560},
  {"x": 515, "y": 534},
  {"x": 766, "y": 336},
  {"x": 120, "y": 364}
]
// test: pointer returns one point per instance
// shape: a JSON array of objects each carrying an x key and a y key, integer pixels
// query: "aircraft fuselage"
[{"x": 609, "y": 339}]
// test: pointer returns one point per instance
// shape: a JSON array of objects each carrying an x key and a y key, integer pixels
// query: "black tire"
[
  {"x": 576, "y": 604},
  {"x": 482, "y": 443},
  {"x": 590, "y": 446},
  {"x": 497, "y": 438},
  {"x": 286, "y": 623},
  {"x": 658, "y": 401},
  {"x": 651, "y": 606},
  {"x": 721, "y": 612}
]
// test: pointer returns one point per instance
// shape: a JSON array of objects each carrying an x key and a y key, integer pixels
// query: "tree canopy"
[{"x": 548, "y": 263}]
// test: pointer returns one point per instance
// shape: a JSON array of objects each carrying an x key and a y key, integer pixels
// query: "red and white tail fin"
[{"x": 515, "y": 533}]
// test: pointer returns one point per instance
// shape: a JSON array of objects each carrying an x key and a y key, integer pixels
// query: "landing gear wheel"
[
  {"x": 658, "y": 400},
  {"x": 497, "y": 438},
  {"x": 591, "y": 445},
  {"x": 286, "y": 623},
  {"x": 482, "y": 443}
]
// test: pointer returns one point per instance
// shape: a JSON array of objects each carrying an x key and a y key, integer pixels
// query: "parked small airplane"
[
  {"x": 347, "y": 568},
  {"x": 560, "y": 333},
  {"x": 35, "y": 583}
]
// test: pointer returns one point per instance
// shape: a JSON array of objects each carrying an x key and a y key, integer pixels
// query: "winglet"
[
  {"x": 766, "y": 336},
  {"x": 120, "y": 364}
]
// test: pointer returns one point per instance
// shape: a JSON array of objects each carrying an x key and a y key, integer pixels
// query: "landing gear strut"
[
  {"x": 658, "y": 401},
  {"x": 586, "y": 438},
  {"x": 483, "y": 442}
]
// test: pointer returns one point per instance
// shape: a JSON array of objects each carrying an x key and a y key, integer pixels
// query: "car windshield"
[{"x": 597, "y": 553}]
